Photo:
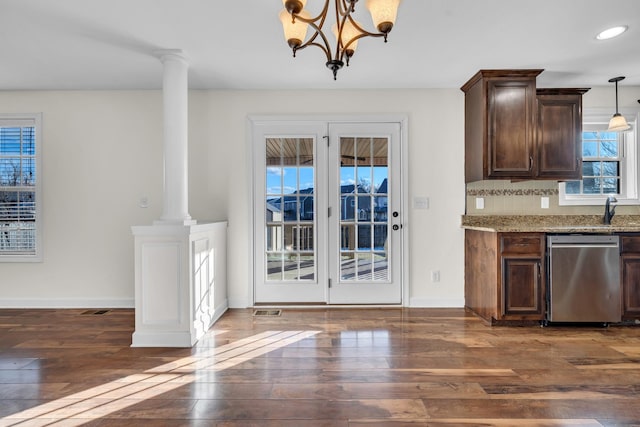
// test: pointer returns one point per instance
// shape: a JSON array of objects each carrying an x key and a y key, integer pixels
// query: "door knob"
[{"x": 396, "y": 227}]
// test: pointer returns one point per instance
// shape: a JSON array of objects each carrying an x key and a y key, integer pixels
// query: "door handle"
[{"x": 396, "y": 227}]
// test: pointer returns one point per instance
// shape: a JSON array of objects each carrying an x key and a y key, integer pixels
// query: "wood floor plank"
[{"x": 317, "y": 368}]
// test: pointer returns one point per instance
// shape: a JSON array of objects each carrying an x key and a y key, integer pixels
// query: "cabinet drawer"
[
  {"x": 522, "y": 243},
  {"x": 630, "y": 244}
]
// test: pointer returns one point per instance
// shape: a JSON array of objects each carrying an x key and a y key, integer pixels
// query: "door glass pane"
[
  {"x": 364, "y": 208},
  {"x": 380, "y": 266},
  {"x": 307, "y": 266},
  {"x": 347, "y": 237},
  {"x": 274, "y": 238},
  {"x": 364, "y": 170},
  {"x": 380, "y": 237},
  {"x": 291, "y": 267},
  {"x": 290, "y": 210},
  {"x": 274, "y": 266},
  {"x": 347, "y": 266},
  {"x": 364, "y": 267}
]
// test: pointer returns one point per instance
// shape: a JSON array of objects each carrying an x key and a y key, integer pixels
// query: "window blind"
[{"x": 18, "y": 179}]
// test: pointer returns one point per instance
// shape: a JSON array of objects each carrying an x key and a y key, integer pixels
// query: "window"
[
  {"x": 601, "y": 158},
  {"x": 609, "y": 164},
  {"x": 20, "y": 223}
]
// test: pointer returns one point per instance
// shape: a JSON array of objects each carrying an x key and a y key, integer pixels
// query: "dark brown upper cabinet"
[
  {"x": 512, "y": 132},
  {"x": 559, "y": 138}
]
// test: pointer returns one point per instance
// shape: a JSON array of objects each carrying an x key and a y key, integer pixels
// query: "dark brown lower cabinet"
[
  {"x": 505, "y": 276},
  {"x": 522, "y": 287},
  {"x": 630, "y": 268}
]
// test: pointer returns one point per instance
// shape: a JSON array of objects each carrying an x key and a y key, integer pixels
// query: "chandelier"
[{"x": 347, "y": 31}]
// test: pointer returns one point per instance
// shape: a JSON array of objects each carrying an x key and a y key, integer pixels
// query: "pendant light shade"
[
  {"x": 294, "y": 31},
  {"x": 617, "y": 123},
  {"x": 383, "y": 13},
  {"x": 348, "y": 38}
]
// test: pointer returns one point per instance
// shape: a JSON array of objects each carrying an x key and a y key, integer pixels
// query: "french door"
[{"x": 327, "y": 218}]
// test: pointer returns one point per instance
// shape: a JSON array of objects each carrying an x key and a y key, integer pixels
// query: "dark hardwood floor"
[{"x": 312, "y": 368}]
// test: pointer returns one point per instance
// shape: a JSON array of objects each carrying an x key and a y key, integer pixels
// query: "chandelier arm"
[
  {"x": 358, "y": 37},
  {"x": 343, "y": 14},
  {"x": 342, "y": 8},
  {"x": 318, "y": 31},
  {"x": 362, "y": 30},
  {"x": 316, "y": 23},
  {"x": 310, "y": 43}
]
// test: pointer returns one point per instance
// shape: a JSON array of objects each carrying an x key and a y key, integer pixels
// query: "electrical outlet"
[
  {"x": 435, "y": 276},
  {"x": 479, "y": 202},
  {"x": 544, "y": 202},
  {"x": 421, "y": 203}
]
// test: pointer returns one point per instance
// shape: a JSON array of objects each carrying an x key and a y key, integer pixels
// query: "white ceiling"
[{"x": 233, "y": 44}]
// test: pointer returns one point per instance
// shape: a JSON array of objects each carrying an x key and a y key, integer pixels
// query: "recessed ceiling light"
[{"x": 612, "y": 32}]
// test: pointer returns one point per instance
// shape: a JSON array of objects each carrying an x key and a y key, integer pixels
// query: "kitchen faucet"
[{"x": 609, "y": 211}]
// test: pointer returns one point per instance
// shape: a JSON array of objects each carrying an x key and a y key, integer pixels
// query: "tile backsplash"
[{"x": 503, "y": 197}]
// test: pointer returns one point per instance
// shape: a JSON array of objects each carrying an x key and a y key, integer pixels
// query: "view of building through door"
[
  {"x": 363, "y": 208},
  {"x": 325, "y": 199},
  {"x": 290, "y": 209}
]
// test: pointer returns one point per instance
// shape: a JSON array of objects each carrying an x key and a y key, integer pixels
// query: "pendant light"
[{"x": 617, "y": 123}]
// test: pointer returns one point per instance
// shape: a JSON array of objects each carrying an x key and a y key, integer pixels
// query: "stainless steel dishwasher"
[{"x": 584, "y": 278}]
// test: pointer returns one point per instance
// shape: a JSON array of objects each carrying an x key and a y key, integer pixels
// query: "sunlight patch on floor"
[{"x": 105, "y": 399}]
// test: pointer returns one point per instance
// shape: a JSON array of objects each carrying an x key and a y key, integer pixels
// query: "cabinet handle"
[{"x": 530, "y": 162}]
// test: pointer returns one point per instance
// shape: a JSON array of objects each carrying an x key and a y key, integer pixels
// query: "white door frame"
[{"x": 342, "y": 118}]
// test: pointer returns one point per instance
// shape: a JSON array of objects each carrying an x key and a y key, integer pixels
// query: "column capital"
[{"x": 171, "y": 54}]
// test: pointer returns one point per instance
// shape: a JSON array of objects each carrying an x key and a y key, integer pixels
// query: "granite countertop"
[{"x": 551, "y": 223}]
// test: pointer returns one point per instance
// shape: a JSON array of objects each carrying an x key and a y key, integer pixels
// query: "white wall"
[
  {"x": 103, "y": 150},
  {"x": 219, "y": 186}
]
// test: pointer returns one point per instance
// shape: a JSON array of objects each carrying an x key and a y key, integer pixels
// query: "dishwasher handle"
[{"x": 583, "y": 245}]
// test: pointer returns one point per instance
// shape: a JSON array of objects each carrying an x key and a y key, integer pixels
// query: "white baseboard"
[
  {"x": 413, "y": 302},
  {"x": 219, "y": 311},
  {"x": 436, "y": 302},
  {"x": 239, "y": 303},
  {"x": 162, "y": 339},
  {"x": 66, "y": 303}
]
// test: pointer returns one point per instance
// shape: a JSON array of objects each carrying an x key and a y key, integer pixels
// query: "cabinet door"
[
  {"x": 559, "y": 137},
  {"x": 522, "y": 288},
  {"x": 630, "y": 286},
  {"x": 511, "y": 124}
]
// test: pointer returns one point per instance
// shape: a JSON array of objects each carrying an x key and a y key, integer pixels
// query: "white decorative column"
[
  {"x": 175, "y": 91},
  {"x": 180, "y": 266}
]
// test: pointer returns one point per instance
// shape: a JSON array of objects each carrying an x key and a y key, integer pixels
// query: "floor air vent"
[
  {"x": 95, "y": 312},
  {"x": 267, "y": 313}
]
